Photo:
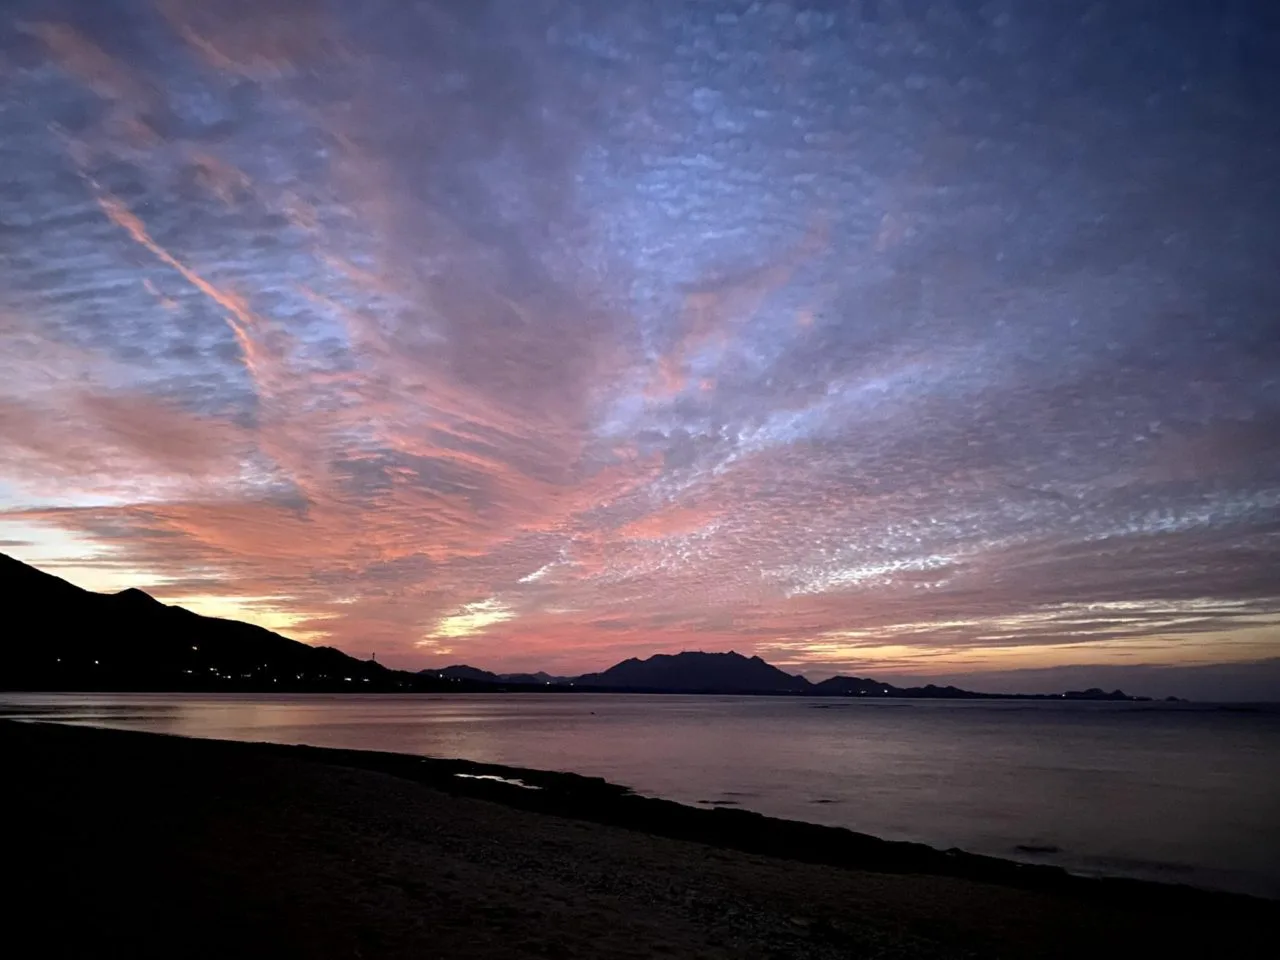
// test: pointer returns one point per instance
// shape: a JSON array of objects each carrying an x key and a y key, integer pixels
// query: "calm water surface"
[{"x": 1171, "y": 792}]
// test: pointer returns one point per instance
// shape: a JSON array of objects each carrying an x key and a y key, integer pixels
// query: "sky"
[{"x": 904, "y": 338}]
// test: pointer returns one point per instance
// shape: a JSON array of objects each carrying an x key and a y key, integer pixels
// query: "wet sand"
[{"x": 140, "y": 845}]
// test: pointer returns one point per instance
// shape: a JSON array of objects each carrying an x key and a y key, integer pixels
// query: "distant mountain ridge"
[
  {"x": 75, "y": 639},
  {"x": 859, "y": 687},
  {"x": 463, "y": 672},
  {"x": 687, "y": 672},
  {"x": 696, "y": 672},
  {"x": 733, "y": 673}
]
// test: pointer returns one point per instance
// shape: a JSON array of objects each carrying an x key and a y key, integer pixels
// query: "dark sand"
[{"x": 136, "y": 845}]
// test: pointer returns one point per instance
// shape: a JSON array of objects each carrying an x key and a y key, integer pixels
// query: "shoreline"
[
  {"x": 297, "y": 802},
  {"x": 596, "y": 800},
  {"x": 458, "y": 685}
]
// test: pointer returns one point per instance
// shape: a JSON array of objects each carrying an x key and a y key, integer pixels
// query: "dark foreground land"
[{"x": 137, "y": 845}]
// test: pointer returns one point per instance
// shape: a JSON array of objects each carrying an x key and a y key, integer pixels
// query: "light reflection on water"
[{"x": 1167, "y": 792}]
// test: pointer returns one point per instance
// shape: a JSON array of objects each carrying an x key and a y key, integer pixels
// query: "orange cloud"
[
  {"x": 116, "y": 439},
  {"x": 673, "y": 522},
  {"x": 76, "y": 53}
]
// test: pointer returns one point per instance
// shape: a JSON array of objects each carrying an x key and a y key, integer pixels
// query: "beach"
[{"x": 141, "y": 845}]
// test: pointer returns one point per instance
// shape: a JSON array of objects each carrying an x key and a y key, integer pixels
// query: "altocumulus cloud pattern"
[{"x": 932, "y": 336}]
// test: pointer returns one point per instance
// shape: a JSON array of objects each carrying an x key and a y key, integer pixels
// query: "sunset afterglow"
[{"x": 537, "y": 342}]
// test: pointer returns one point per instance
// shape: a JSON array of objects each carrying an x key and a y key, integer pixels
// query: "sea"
[{"x": 1180, "y": 793}]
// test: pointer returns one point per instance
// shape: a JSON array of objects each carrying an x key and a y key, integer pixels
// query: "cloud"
[
  {"x": 257, "y": 39},
  {"x": 472, "y": 618},
  {"x": 113, "y": 445},
  {"x": 571, "y": 333}
]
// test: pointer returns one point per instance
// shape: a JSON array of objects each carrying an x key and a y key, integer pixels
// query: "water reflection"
[{"x": 1074, "y": 784}]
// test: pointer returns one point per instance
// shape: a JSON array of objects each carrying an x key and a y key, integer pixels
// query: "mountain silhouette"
[
  {"x": 460, "y": 671},
  {"x": 732, "y": 673},
  {"x": 72, "y": 639},
  {"x": 539, "y": 677},
  {"x": 696, "y": 672},
  {"x": 865, "y": 687}
]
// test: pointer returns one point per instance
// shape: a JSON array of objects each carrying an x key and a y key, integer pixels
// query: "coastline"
[
  {"x": 596, "y": 800},
  {"x": 260, "y": 822}
]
